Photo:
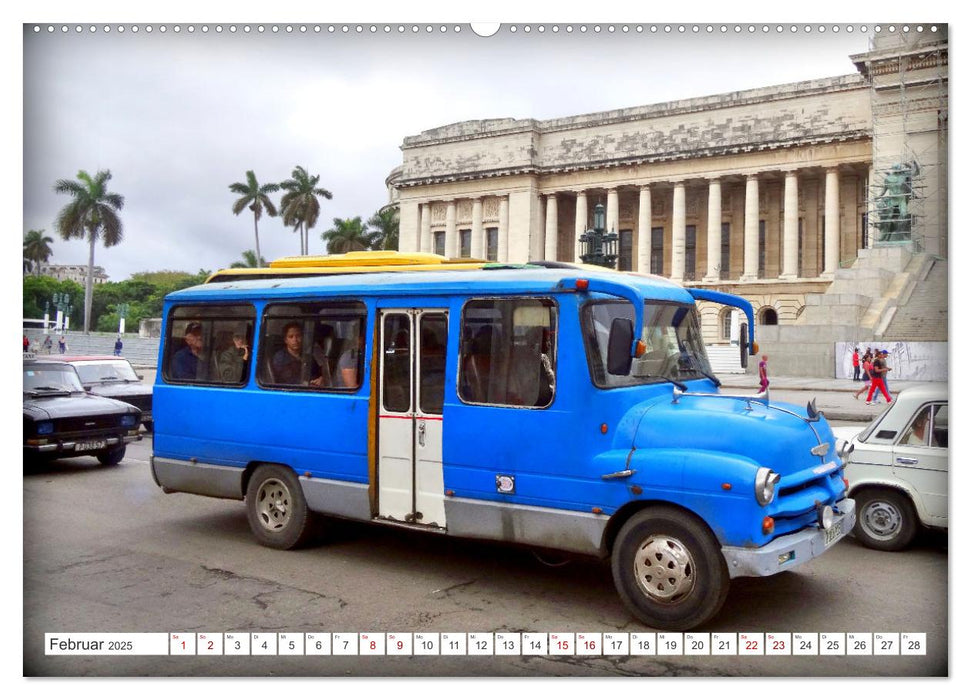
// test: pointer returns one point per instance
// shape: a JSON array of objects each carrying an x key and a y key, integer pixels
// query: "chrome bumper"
[
  {"x": 791, "y": 550},
  {"x": 68, "y": 445}
]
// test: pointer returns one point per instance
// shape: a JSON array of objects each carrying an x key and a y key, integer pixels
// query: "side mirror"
[
  {"x": 87, "y": 387},
  {"x": 618, "y": 346},
  {"x": 743, "y": 344},
  {"x": 140, "y": 376}
]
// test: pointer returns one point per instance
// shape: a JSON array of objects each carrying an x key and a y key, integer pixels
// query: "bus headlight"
[
  {"x": 824, "y": 514},
  {"x": 765, "y": 482}
]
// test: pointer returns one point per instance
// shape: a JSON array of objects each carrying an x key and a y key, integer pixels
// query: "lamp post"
[
  {"x": 67, "y": 317},
  {"x": 599, "y": 248},
  {"x": 47, "y": 317},
  {"x": 61, "y": 302},
  {"x": 122, "y": 312}
]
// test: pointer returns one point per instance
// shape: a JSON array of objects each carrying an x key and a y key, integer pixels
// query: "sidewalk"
[{"x": 834, "y": 397}]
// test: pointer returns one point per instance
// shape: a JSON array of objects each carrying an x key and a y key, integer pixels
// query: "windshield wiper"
[
  {"x": 669, "y": 380},
  {"x": 48, "y": 390},
  {"x": 712, "y": 377}
]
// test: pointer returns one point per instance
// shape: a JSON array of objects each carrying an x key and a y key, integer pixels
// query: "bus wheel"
[
  {"x": 276, "y": 509},
  {"x": 668, "y": 569}
]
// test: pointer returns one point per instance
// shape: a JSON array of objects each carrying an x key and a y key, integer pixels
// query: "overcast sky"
[{"x": 178, "y": 117}]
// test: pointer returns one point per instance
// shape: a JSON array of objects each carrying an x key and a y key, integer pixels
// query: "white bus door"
[{"x": 411, "y": 393}]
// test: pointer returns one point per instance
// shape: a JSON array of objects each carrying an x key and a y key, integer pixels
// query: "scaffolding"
[{"x": 907, "y": 188}]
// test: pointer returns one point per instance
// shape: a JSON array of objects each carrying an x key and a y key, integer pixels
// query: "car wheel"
[
  {"x": 276, "y": 508},
  {"x": 113, "y": 456},
  {"x": 668, "y": 569},
  {"x": 884, "y": 520}
]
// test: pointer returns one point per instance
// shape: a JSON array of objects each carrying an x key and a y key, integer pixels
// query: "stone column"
[
  {"x": 552, "y": 226},
  {"x": 750, "y": 269},
  {"x": 678, "y": 233},
  {"x": 644, "y": 230},
  {"x": 613, "y": 210},
  {"x": 714, "y": 230},
  {"x": 831, "y": 261},
  {"x": 790, "y": 227},
  {"x": 477, "y": 245},
  {"x": 503, "y": 254},
  {"x": 581, "y": 224},
  {"x": 426, "y": 229},
  {"x": 872, "y": 231},
  {"x": 452, "y": 248}
]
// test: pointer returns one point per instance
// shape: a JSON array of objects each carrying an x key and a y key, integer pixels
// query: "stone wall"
[{"x": 911, "y": 361}]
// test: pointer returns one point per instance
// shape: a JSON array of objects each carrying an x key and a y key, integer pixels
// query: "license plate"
[
  {"x": 90, "y": 445},
  {"x": 832, "y": 534}
]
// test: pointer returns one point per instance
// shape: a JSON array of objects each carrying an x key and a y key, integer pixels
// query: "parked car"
[
  {"x": 61, "y": 419},
  {"x": 898, "y": 468},
  {"x": 115, "y": 378}
]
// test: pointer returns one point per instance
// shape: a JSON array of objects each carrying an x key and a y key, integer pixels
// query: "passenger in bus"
[
  {"x": 232, "y": 354},
  {"x": 185, "y": 363},
  {"x": 287, "y": 363},
  {"x": 348, "y": 363},
  {"x": 477, "y": 367}
]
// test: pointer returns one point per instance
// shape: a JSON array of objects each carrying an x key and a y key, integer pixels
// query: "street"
[{"x": 106, "y": 551}]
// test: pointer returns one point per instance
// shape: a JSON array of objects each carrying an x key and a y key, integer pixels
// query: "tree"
[
  {"x": 37, "y": 250},
  {"x": 384, "y": 229},
  {"x": 347, "y": 235},
  {"x": 255, "y": 198},
  {"x": 300, "y": 206},
  {"x": 249, "y": 260},
  {"x": 92, "y": 212}
]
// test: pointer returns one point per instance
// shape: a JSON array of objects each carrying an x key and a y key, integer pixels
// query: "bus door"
[{"x": 411, "y": 394}]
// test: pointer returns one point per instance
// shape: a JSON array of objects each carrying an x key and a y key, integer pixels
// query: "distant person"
[
  {"x": 48, "y": 344},
  {"x": 764, "y": 373},
  {"x": 347, "y": 364},
  {"x": 26, "y": 343},
  {"x": 61, "y": 345},
  {"x": 185, "y": 363},
  {"x": 856, "y": 364},
  {"x": 118, "y": 346},
  {"x": 880, "y": 369}
]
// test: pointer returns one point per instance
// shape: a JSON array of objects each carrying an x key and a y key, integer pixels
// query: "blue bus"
[{"x": 559, "y": 408}]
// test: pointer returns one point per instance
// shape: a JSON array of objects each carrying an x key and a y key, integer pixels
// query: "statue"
[{"x": 893, "y": 203}]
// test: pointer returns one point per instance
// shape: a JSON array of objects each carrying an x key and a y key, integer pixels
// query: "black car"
[
  {"x": 114, "y": 377},
  {"x": 62, "y": 420}
]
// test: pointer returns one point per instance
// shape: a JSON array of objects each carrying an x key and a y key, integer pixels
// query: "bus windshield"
[{"x": 672, "y": 334}]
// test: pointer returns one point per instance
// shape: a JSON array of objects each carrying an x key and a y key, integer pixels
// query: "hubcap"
[
  {"x": 881, "y": 520},
  {"x": 664, "y": 569},
  {"x": 273, "y": 504}
]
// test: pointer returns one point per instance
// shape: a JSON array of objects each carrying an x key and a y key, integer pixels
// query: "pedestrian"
[
  {"x": 880, "y": 368},
  {"x": 26, "y": 343},
  {"x": 866, "y": 377},
  {"x": 48, "y": 344},
  {"x": 856, "y": 364},
  {"x": 118, "y": 346},
  {"x": 764, "y": 374},
  {"x": 62, "y": 345}
]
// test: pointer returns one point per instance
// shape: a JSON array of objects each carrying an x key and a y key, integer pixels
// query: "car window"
[{"x": 919, "y": 430}]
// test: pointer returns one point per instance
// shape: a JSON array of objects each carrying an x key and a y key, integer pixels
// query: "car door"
[{"x": 920, "y": 459}]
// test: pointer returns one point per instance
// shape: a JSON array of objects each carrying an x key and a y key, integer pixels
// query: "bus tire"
[
  {"x": 668, "y": 569},
  {"x": 276, "y": 508}
]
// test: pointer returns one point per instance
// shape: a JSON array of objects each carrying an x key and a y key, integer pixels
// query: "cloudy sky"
[{"x": 178, "y": 116}]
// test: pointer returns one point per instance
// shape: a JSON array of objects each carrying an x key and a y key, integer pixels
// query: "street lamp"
[
  {"x": 122, "y": 312},
  {"x": 61, "y": 302},
  {"x": 599, "y": 248}
]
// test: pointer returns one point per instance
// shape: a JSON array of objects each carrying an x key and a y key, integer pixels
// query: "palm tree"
[
  {"x": 249, "y": 260},
  {"x": 384, "y": 228},
  {"x": 347, "y": 235},
  {"x": 255, "y": 198},
  {"x": 92, "y": 212},
  {"x": 37, "y": 250},
  {"x": 300, "y": 206}
]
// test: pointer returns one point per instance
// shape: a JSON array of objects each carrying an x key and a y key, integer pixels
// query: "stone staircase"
[
  {"x": 888, "y": 294},
  {"x": 922, "y": 315},
  {"x": 141, "y": 352}
]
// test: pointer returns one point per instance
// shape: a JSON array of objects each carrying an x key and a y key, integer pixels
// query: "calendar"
[{"x": 487, "y": 644}]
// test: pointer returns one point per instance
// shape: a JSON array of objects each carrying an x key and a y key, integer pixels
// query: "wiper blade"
[
  {"x": 48, "y": 390},
  {"x": 712, "y": 377},
  {"x": 669, "y": 380}
]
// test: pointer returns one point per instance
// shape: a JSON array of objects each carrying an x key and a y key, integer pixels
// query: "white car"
[{"x": 898, "y": 468}]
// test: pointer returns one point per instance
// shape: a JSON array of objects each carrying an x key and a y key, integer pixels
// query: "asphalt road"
[{"x": 106, "y": 551}]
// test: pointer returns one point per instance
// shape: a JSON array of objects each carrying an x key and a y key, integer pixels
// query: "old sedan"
[
  {"x": 898, "y": 468},
  {"x": 115, "y": 378},
  {"x": 62, "y": 420}
]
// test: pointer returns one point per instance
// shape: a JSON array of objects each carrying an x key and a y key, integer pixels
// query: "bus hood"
[{"x": 777, "y": 435}]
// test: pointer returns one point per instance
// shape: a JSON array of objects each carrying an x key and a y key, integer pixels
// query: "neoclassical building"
[{"x": 767, "y": 193}]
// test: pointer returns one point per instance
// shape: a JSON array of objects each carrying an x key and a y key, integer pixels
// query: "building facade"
[
  {"x": 765, "y": 193},
  {"x": 74, "y": 273}
]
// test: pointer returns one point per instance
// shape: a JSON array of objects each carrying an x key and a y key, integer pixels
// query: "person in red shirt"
[
  {"x": 877, "y": 373},
  {"x": 856, "y": 364}
]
